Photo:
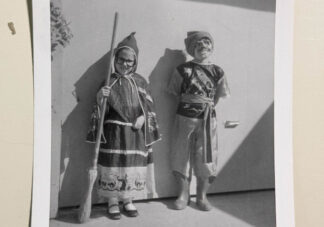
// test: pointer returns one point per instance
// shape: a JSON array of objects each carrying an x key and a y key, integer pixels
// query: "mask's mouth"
[{"x": 203, "y": 51}]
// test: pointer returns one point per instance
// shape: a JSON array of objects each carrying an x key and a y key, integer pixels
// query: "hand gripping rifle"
[{"x": 85, "y": 207}]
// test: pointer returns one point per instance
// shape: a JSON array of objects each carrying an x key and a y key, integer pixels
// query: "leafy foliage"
[{"x": 60, "y": 31}]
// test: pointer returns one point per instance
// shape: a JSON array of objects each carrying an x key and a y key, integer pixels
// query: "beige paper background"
[
  {"x": 308, "y": 115},
  {"x": 16, "y": 115}
]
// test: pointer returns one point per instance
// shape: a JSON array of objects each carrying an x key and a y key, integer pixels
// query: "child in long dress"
[{"x": 130, "y": 128}]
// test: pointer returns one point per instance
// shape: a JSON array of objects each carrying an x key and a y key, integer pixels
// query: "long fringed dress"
[{"x": 125, "y": 162}]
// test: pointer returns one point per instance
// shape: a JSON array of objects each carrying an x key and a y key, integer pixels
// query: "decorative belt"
[{"x": 209, "y": 108}]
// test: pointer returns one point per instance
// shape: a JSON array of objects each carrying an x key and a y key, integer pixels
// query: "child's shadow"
[
  {"x": 165, "y": 105},
  {"x": 76, "y": 154}
]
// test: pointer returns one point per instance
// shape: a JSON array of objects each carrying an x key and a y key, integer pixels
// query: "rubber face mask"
[
  {"x": 125, "y": 61},
  {"x": 203, "y": 49}
]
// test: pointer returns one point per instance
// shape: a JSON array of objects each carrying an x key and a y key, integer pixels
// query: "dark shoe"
[
  {"x": 130, "y": 213},
  {"x": 114, "y": 215},
  {"x": 204, "y": 205}
]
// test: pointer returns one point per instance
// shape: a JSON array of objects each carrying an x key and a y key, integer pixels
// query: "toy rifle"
[{"x": 85, "y": 207}]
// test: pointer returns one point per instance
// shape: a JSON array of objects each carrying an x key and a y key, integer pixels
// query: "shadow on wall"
[
  {"x": 255, "y": 153},
  {"x": 74, "y": 149},
  {"x": 165, "y": 105},
  {"x": 262, "y": 5}
]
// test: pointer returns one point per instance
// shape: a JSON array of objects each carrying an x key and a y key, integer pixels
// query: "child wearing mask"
[{"x": 198, "y": 84}]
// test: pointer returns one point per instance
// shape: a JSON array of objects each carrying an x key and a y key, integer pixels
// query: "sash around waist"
[
  {"x": 194, "y": 106},
  {"x": 190, "y": 98}
]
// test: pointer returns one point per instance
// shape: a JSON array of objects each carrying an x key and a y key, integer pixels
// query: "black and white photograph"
[{"x": 162, "y": 113}]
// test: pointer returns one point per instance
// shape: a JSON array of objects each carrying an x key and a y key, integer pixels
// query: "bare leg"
[
  {"x": 113, "y": 205},
  {"x": 202, "y": 188},
  {"x": 183, "y": 196}
]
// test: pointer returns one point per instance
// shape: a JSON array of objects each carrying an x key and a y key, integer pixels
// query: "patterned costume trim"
[
  {"x": 112, "y": 181},
  {"x": 124, "y": 152}
]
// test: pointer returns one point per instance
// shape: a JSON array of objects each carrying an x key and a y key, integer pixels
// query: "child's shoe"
[
  {"x": 204, "y": 205},
  {"x": 181, "y": 204},
  {"x": 130, "y": 210},
  {"x": 113, "y": 211}
]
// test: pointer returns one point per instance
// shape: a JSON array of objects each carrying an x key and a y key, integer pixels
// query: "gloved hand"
[{"x": 139, "y": 122}]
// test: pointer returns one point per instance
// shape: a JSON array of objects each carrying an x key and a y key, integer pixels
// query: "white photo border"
[
  {"x": 283, "y": 98},
  {"x": 42, "y": 113},
  {"x": 284, "y": 186}
]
